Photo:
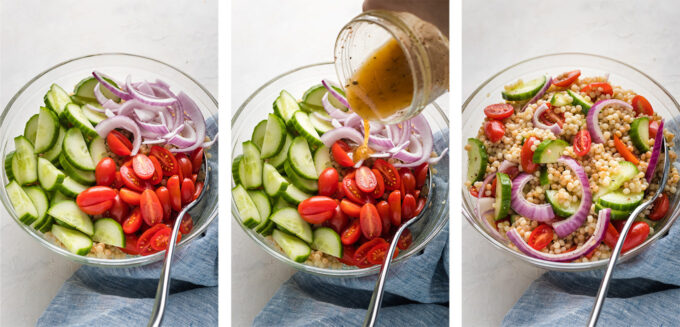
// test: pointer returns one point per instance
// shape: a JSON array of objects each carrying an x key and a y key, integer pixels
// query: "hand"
[{"x": 433, "y": 11}]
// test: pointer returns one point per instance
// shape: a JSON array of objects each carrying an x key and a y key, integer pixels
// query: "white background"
[
  {"x": 271, "y": 37},
  {"x": 497, "y": 34},
  {"x": 39, "y": 34}
]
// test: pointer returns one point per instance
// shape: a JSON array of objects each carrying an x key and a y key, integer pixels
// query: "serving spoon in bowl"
[
  {"x": 604, "y": 286},
  {"x": 379, "y": 290},
  {"x": 164, "y": 281}
]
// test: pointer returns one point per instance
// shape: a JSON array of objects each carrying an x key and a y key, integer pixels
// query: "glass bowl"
[
  {"x": 554, "y": 64},
  {"x": 67, "y": 74},
  {"x": 297, "y": 81}
]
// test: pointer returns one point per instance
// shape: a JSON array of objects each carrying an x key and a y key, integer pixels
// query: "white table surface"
[
  {"x": 498, "y": 33},
  {"x": 271, "y": 37},
  {"x": 38, "y": 34}
]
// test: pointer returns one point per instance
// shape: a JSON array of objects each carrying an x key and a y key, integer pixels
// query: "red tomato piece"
[
  {"x": 328, "y": 182},
  {"x": 365, "y": 179},
  {"x": 408, "y": 207},
  {"x": 184, "y": 164},
  {"x": 168, "y": 161},
  {"x": 642, "y": 106},
  {"x": 187, "y": 191},
  {"x": 350, "y": 208},
  {"x": 338, "y": 221},
  {"x": 118, "y": 181},
  {"x": 131, "y": 245},
  {"x": 347, "y": 255},
  {"x": 119, "y": 210},
  {"x": 653, "y": 128},
  {"x": 371, "y": 225},
  {"x": 187, "y": 224},
  {"x": 660, "y": 208},
  {"x": 317, "y": 204},
  {"x": 339, "y": 151},
  {"x": 129, "y": 196},
  {"x": 566, "y": 79},
  {"x": 540, "y": 237},
  {"x": 318, "y": 218},
  {"x": 175, "y": 192},
  {"x": 199, "y": 189},
  {"x": 131, "y": 180},
  {"x": 152, "y": 210},
  {"x": 196, "y": 160},
  {"x": 549, "y": 117},
  {"x": 638, "y": 233},
  {"x": 499, "y": 111},
  {"x": 405, "y": 240},
  {"x": 352, "y": 191},
  {"x": 421, "y": 174},
  {"x": 394, "y": 200},
  {"x": 143, "y": 243},
  {"x": 95, "y": 195},
  {"x": 118, "y": 143},
  {"x": 142, "y": 166},
  {"x": 527, "y": 155},
  {"x": 602, "y": 87},
  {"x": 389, "y": 174},
  {"x": 582, "y": 143},
  {"x": 494, "y": 130},
  {"x": 377, "y": 254},
  {"x": 384, "y": 212},
  {"x": 157, "y": 176},
  {"x": 105, "y": 172},
  {"x": 133, "y": 222},
  {"x": 164, "y": 197},
  {"x": 420, "y": 205},
  {"x": 98, "y": 208},
  {"x": 363, "y": 249},
  {"x": 351, "y": 234},
  {"x": 408, "y": 181},
  {"x": 380, "y": 185},
  {"x": 160, "y": 240}
]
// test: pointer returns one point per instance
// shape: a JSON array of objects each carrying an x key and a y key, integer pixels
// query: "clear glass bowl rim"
[
  {"x": 127, "y": 262},
  {"x": 470, "y": 216},
  {"x": 356, "y": 272}
]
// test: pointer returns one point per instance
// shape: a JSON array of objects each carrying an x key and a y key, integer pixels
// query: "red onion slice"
[
  {"x": 101, "y": 98},
  {"x": 147, "y": 99},
  {"x": 184, "y": 141},
  {"x": 354, "y": 121},
  {"x": 538, "y": 95},
  {"x": 119, "y": 93},
  {"x": 435, "y": 160},
  {"x": 381, "y": 142},
  {"x": 124, "y": 122},
  {"x": 331, "y": 110},
  {"x": 158, "y": 129},
  {"x": 349, "y": 133},
  {"x": 485, "y": 211},
  {"x": 554, "y": 128},
  {"x": 592, "y": 119},
  {"x": 210, "y": 143},
  {"x": 145, "y": 88},
  {"x": 152, "y": 141},
  {"x": 593, "y": 242},
  {"x": 537, "y": 212},
  {"x": 401, "y": 147},
  {"x": 191, "y": 110},
  {"x": 380, "y": 155},
  {"x": 322, "y": 116},
  {"x": 333, "y": 92},
  {"x": 569, "y": 225},
  {"x": 656, "y": 151},
  {"x": 409, "y": 157},
  {"x": 336, "y": 123},
  {"x": 95, "y": 109},
  {"x": 421, "y": 126}
]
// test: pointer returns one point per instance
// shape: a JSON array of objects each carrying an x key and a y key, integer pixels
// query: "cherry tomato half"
[
  {"x": 160, "y": 240},
  {"x": 350, "y": 208},
  {"x": 660, "y": 208},
  {"x": 96, "y": 200},
  {"x": 384, "y": 212},
  {"x": 405, "y": 240},
  {"x": 550, "y": 117},
  {"x": 499, "y": 111},
  {"x": 582, "y": 143},
  {"x": 338, "y": 221},
  {"x": 105, "y": 172},
  {"x": 142, "y": 166},
  {"x": 131, "y": 245},
  {"x": 566, "y": 79},
  {"x": 131, "y": 180},
  {"x": 494, "y": 130},
  {"x": 133, "y": 222},
  {"x": 339, "y": 151},
  {"x": 527, "y": 155},
  {"x": 184, "y": 164},
  {"x": 540, "y": 237},
  {"x": 328, "y": 182},
  {"x": 196, "y": 160},
  {"x": 390, "y": 175},
  {"x": 365, "y": 179},
  {"x": 118, "y": 143},
  {"x": 199, "y": 189},
  {"x": 187, "y": 191},
  {"x": 394, "y": 200},
  {"x": 316, "y": 204},
  {"x": 119, "y": 210},
  {"x": 145, "y": 238},
  {"x": 175, "y": 192},
  {"x": 408, "y": 181},
  {"x": 371, "y": 225},
  {"x": 380, "y": 184},
  {"x": 377, "y": 254},
  {"x": 352, "y": 191},
  {"x": 157, "y": 176},
  {"x": 167, "y": 160},
  {"x": 152, "y": 210},
  {"x": 363, "y": 249},
  {"x": 408, "y": 207},
  {"x": 129, "y": 196},
  {"x": 351, "y": 234},
  {"x": 653, "y": 128},
  {"x": 420, "y": 205},
  {"x": 636, "y": 235},
  {"x": 602, "y": 87},
  {"x": 421, "y": 174},
  {"x": 164, "y": 197},
  {"x": 642, "y": 106}
]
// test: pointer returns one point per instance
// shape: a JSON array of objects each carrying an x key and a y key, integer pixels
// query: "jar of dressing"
[{"x": 391, "y": 64}]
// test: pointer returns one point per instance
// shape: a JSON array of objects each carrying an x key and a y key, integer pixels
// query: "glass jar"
[{"x": 426, "y": 52}]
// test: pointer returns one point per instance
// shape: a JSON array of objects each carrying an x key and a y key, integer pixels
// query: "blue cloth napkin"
[
  {"x": 416, "y": 294},
  {"x": 644, "y": 291},
  {"x": 124, "y": 296}
]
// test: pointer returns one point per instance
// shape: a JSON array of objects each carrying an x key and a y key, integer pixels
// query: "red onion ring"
[
  {"x": 331, "y": 110},
  {"x": 119, "y": 93},
  {"x": 484, "y": 209},
  {"x": 537, "y": 212},
  {"x": 124, "y": 122},
  {"x": 656, "y": 151},
  {"x": 330, "y": 137},
  {"x": 190, "y": 109},
  {"x": 421, "y": 126},
  {"x": 147, "y": 99},
  {"x": 592, "y": 119},
  {"x": 435, "y": 160},
  {"x": 554, "y": 128},
  {"x": 569, "y": 225},
  {"x": 333, "y": 92}
]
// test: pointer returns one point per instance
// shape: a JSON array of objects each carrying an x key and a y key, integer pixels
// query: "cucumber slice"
[
  {"x": 48, "y": 175},
  {"x": 309, "y": 108},
  {"x": 274, "y": 137},
  {"x": 70, "y": 187},
  {"x": 335, "y": 102},
  {"x": 48, "y": 130},
  {"x": 74, "y": 115},
  {"x": 285, "y": 106},
  {"x": 327, "y": 241},
  {"x": 274, "y": 183},
  {"x": 620, "y": 201},
  {"x": 46, "y": 225},
  {"x": 251, "y": 176},
  {"x": 57, "y": 99},
  {"x": 264, "y": 208},
  {"x": 301, "y": 123},
  {"x": 73, "y": 240},
  {"x": 67, "y": 213},
  {"x": 267, "y": 228},
  {"x": 24, "y": 162},
  {"x": 320, "y": 125},
  {"x": 503, "y": 195},
  {"x": 292, "y": 246},
  {"x": 623, "y": 173},
  {"x": 93, "y": 116},
  {"x": 31, "y": 129},
  {"x": 543, "y": 177},
  {"x": 40, "y": 202},
  {"x": 98, "y": 150},
  {"x": 258, "y": 133},
  {"x": 524, "y": 90},
  {"x": 235, "y": 169},
  {"x": 8, "y": 166},
  {"x": 579, "y": 100},
  {"x": 108, "y": 231},
  {"x": 322, "y": 159},
  {"x": 300, "y": 158},
  {"x": 23, "y": 206},
  {"x": 294, "y": 195},
  {"x": 639, "y": 133},
  {"x": 313, "y": 96},
  {"x": 615, "y": 214},
  {"x": 280, "y": 203},
  {"x": 75, "y": 150},
  {"x": 477, "y": 160},
  {"x": 289, "y": 220},
  {"x": 57, "y": 197},
  {"x": 278, "y": 160},
  {"x": 85, "y": 89},
  {"x": 549, "y": 151},
  {"x": 250, "y": 216},
  {"x": 305, "y": 185},
  {"x": 53, "y": 154},
  {"x": 560, "y": 210},
  {"x": 561, "y": 99},
  {"x": 81, "y": 176}
]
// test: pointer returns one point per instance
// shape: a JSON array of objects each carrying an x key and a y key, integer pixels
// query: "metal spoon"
[
  {"x": 164, "y": 281},
  {"x": 378, "y": 291},
  {"x": 604, "y": 286}
]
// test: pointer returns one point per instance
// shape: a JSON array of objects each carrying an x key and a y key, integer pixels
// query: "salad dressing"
[{"x": 363, "y": 152}]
